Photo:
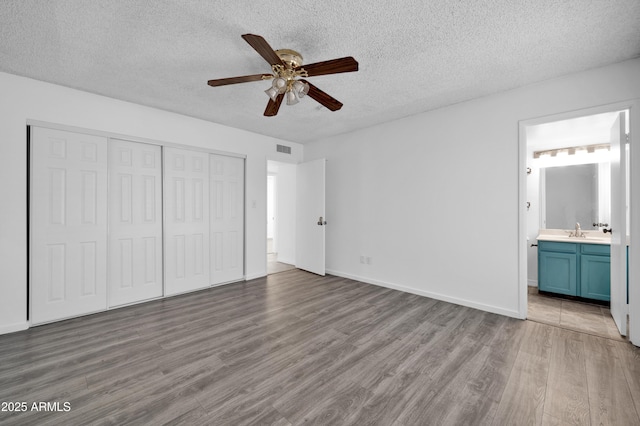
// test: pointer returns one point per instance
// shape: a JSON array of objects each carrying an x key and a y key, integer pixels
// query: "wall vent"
[{"x": 284, "y": 149}]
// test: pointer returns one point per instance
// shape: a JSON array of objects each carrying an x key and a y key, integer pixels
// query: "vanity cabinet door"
[
  {"x": 557, "y": 272},
  {"x": 595, "y": 277}
]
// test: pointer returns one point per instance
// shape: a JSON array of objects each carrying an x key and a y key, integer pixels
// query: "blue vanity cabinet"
[
  {"x": 558, "y": 267},
  {"x": 595, "y": 271},
  {"x": 575, "y": 269}
]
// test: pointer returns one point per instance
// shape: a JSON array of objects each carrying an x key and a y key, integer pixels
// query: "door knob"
[
  {"x": 608, "y": 230},
  {"x": 321, "y": 222}
]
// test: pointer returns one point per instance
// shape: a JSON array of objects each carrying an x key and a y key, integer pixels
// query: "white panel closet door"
[
  {"x": 227, "y": 218},
  {"x": 135, "y": 222},
  {"x": 186, "y": 213},
  {"x": 68, "y": 225}
]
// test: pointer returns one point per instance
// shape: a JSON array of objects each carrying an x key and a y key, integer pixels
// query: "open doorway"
[
  {"x": 571, "y": 252},
  {"x": 281, "y": 217}
]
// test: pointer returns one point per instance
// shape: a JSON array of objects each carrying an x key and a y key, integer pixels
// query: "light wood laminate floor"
[{"x": 297, "y": 348}]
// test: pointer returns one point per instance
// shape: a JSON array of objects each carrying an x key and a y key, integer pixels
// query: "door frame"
[{"x": 633, "y": 106}]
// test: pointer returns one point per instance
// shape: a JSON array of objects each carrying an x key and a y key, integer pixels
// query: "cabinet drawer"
[
  {"x": 601, "y": 249},
  {"x": 558, "y": 247}
]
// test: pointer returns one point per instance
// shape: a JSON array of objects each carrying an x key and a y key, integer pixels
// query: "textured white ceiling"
[{"x": 414, "y": 55}]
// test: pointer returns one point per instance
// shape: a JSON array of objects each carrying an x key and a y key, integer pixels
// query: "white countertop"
[{"x": 562, "y": 236}]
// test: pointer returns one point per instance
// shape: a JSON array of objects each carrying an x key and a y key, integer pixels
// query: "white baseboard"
[
  {"x": 438, "y": 296},
  {"x": 532, "y": 283},
  {"x": 12, "y": 328}
]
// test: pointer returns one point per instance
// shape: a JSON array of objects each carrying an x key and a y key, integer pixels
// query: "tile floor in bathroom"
[{"x": 572, "y": 315}]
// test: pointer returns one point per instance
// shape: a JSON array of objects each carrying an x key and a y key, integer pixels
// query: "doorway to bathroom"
[{"x": 574, "y": 196}]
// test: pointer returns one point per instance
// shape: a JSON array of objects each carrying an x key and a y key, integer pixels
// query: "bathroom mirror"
[{"x": 578, "y": 193}]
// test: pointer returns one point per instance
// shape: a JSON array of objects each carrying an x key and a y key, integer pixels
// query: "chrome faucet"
[{"x": 578, "y": 232}]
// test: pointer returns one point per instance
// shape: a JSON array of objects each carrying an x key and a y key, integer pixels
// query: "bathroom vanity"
[
  {"x": 575, "y": 269},
  {"x": 575, "y": 266}
]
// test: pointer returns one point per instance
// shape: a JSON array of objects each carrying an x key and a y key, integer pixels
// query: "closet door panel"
[
  {"x": 227, "y": 218},
  {"x": 186, "y": 237},
  {"x": 68, "y": 224},
  {"x": 135, "y": 222}
]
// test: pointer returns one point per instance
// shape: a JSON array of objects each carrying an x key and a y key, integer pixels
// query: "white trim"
[
  {"x": 522, "y": 220},
  {"x": 633, "y": 105},
  {"x": 129, "y": 138},
  {"x": 12, "y": 328},
  {"x": 437, "y": 296},
  {"x": 634, "y": 254},
  {"x": 532, "y": 283}
]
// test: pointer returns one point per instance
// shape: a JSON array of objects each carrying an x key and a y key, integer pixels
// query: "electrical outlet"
[
  {"x": 368, "y": 260},
  {"x": 361, "y": 258}
]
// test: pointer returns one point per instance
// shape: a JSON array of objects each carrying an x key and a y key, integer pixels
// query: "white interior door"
[
  {"x": 310, "y": 216},
  {"x": 227, "y": 218},
  {"x": 618, "y": 225},
  {"x": 186, "y": 215},
  {"x": 68, "y": 224},
  {"x": 135, "y": 222}
]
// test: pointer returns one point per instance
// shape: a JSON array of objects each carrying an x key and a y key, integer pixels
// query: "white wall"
[
  {"x": 25, "y": 99},
  {"x": 433, "y": 199}
]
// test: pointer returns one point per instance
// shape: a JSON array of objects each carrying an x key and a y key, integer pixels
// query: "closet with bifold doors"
[{"x": 114, "y": 222}]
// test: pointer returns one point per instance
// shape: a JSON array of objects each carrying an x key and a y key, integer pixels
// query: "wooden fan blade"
[
  {"x": 273, "y": 106},
  {"x": 333, "y": 66},
  {"x": 322, "y": 98},
  {"x": 235, "y": 80},
  {"x": 262, "y": 47}
]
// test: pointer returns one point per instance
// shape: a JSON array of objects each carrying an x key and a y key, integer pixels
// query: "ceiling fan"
[{"x": 288, "y": 76}]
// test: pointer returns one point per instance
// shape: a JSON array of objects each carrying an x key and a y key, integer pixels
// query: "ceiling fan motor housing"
[{"x": 290, "y": 57}]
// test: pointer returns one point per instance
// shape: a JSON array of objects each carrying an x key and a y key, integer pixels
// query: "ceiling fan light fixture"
[
  {"x": 280, "y": 84},
  {"x": 300, "y": 88},
  {"x": 292, "y": 98},
  {"x": 272, "y": 92}
]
